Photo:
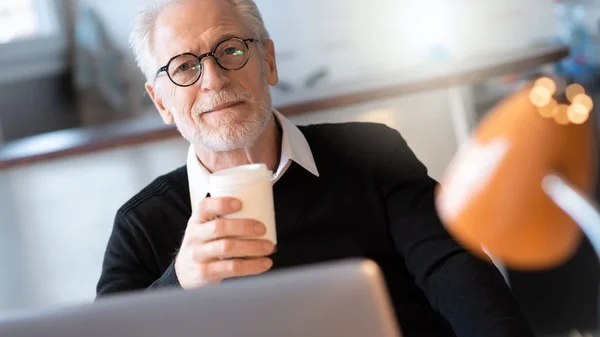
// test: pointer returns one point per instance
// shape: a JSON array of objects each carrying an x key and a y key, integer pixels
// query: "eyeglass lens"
[{"x": 230, "y": 54}]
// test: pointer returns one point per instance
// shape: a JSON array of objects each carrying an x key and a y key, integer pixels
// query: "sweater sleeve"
[
  {"x": 470, "y": 293},
  {"x": 167, "y": 279},
  {"x": 126, "y": 266}
]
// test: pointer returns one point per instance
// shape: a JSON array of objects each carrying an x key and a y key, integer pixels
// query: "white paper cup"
[{"x": 251, "y": 184}]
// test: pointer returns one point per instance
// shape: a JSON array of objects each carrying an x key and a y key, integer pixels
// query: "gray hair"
[{"x": 141, "y": 37}]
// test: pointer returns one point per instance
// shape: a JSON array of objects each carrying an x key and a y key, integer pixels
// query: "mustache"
[{"x": 208, "y": 103}]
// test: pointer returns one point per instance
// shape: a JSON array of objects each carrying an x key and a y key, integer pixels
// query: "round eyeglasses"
[{"x": 185, "y": 69}]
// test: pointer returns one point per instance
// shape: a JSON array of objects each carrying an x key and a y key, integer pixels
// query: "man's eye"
[{"x": 233, "y": 51}]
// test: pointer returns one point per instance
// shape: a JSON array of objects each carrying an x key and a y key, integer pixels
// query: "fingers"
[
  {"x": 225, "y": 228},
  {"x": 211, "y": 208},
  {"x": 215, "y": 248},
  {"x": 222, "y": 269},
  {"x": 232, "y": 248}
]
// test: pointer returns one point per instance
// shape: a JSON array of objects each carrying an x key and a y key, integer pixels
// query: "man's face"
[{"x": 223, "y": 110}]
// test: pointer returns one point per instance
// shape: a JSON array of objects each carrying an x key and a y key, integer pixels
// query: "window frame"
[{"x": 43, "y": 55}]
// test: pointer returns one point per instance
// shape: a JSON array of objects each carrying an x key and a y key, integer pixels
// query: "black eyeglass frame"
[{"x": 200, "y": 57}]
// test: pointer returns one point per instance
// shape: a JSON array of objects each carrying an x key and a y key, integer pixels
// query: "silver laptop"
[{"x": 345, "y": 298}]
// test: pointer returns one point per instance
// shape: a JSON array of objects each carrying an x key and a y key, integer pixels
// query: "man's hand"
[{"x": 215, "y": 248}]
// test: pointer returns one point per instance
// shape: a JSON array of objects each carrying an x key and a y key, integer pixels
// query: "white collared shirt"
[{"x": 294, "y": 147}]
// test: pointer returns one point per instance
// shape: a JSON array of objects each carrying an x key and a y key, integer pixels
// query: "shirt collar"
[{"x": 294, "y": 147}]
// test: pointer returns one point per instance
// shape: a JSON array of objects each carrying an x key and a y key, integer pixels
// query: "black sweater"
[{"x": 373, "y": 199}]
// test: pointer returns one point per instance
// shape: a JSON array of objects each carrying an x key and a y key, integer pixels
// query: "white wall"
[
  {"x": 55, "y": 218},
  {"x": 355, "y": 38},
  {"x": 423, "y": 120},
  {"x": 470, "y": 25}
]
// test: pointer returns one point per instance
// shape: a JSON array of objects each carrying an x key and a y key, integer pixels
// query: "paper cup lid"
[{"x": 239, "y": 175}]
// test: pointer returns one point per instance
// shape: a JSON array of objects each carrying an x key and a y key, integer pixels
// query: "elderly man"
[{"x": 341, "y": 190}]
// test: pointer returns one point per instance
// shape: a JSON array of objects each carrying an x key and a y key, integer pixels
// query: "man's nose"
[{"x": 213, "y": 76}]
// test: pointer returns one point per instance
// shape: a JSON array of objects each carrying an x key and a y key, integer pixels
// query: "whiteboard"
[
  {"x": 364, "y": 41},
  {"x": 355, "y": 39}
]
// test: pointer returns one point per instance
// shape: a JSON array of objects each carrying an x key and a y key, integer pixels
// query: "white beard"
[{"x": 234, "y": 131}]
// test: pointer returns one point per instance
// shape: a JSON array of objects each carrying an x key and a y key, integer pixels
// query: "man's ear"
[
  {"x": 270, "y": 62},
  {"x": 167, "y": 116}
]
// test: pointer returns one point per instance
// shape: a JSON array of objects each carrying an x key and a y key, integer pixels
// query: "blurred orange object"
[{"x": 492, "y": 194}]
